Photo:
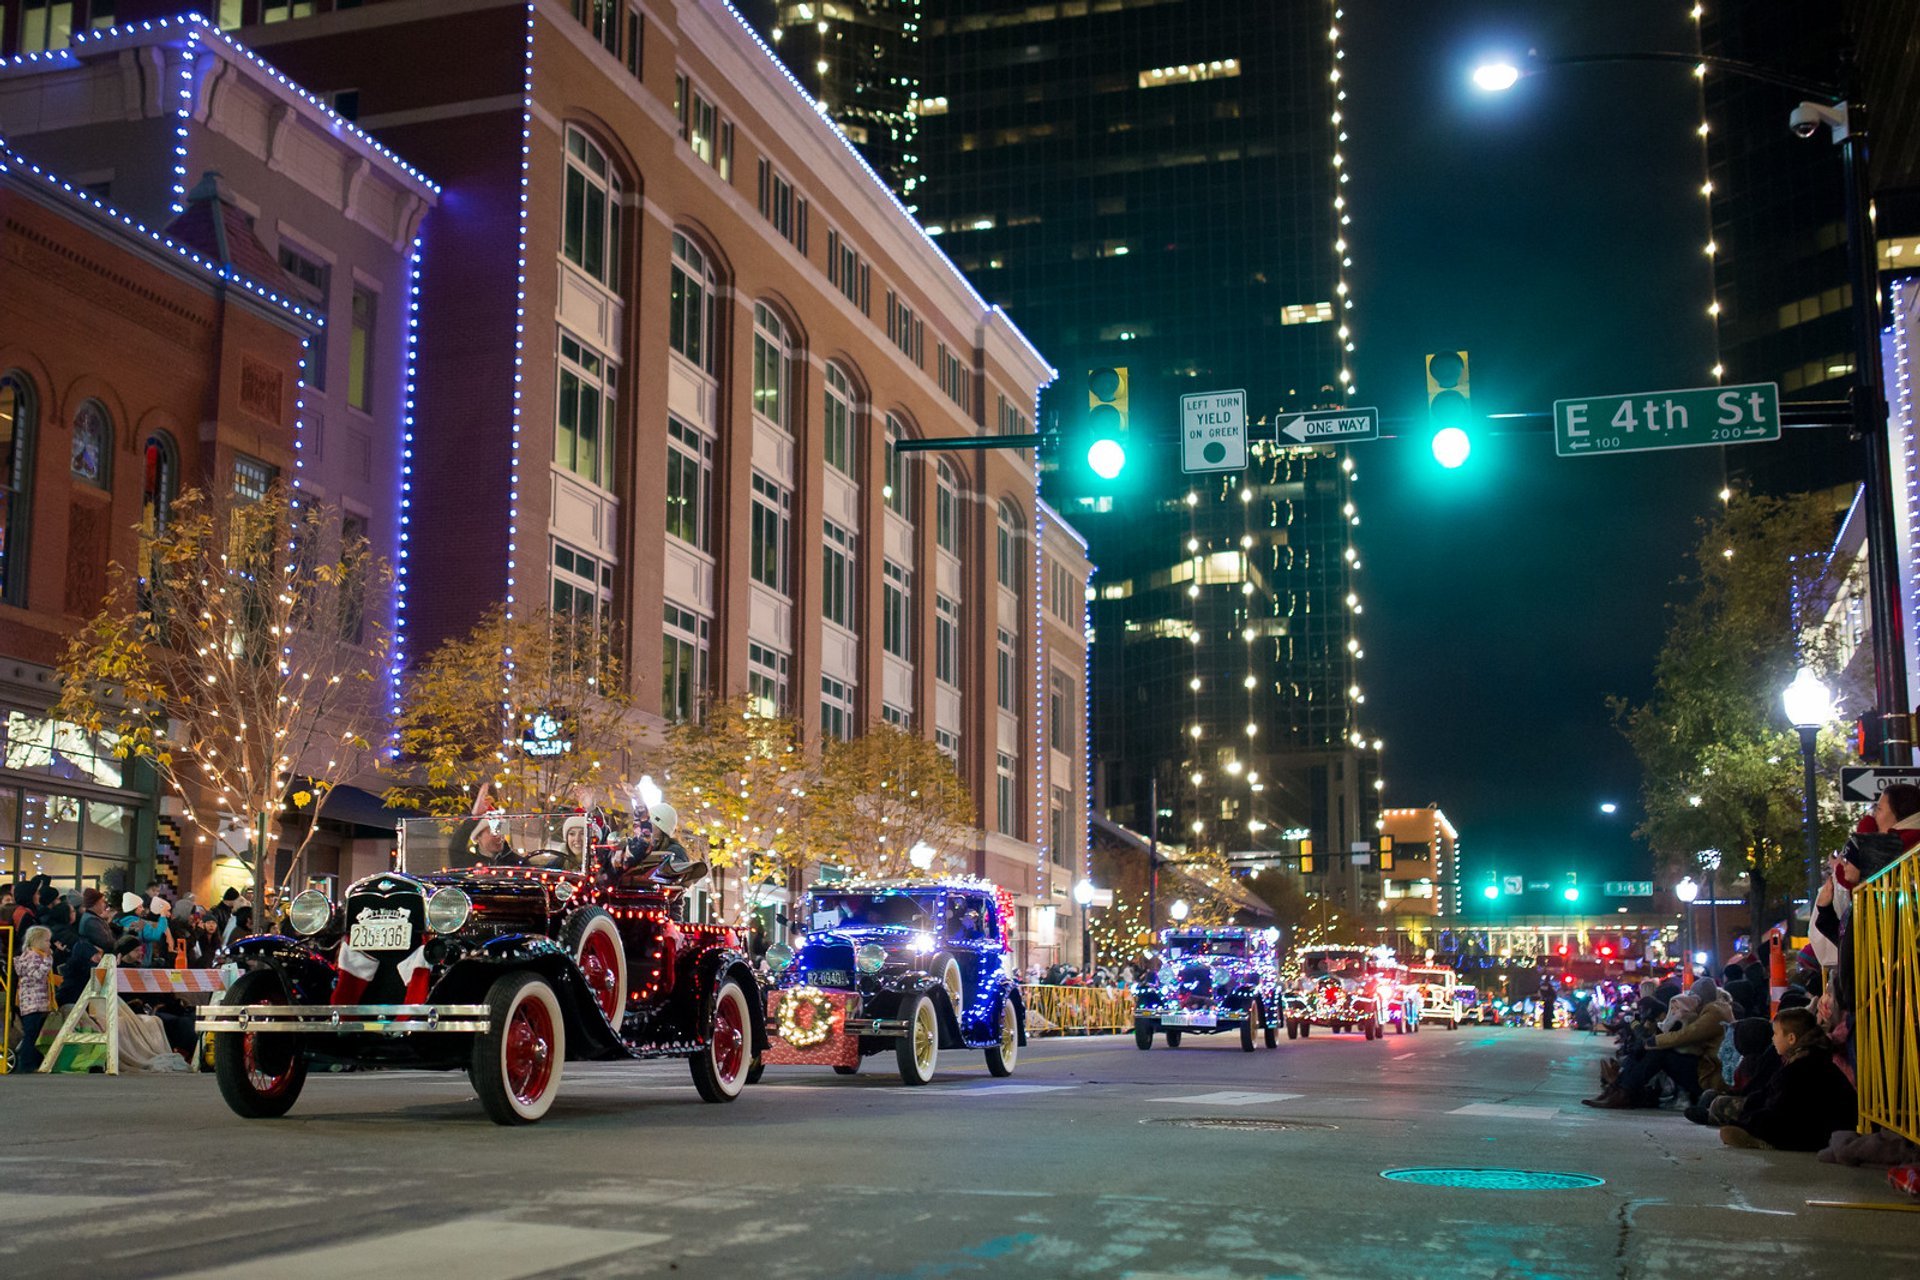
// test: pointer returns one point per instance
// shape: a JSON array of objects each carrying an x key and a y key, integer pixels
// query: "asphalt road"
[{"x": 1094, "y": 1159}]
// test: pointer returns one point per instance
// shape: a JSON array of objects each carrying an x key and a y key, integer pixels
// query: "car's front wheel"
[
  {"x": 1143, "y": 1035},
  {"x": 1001, "y": 1056},
  {"x": 918, "y": 1051},
  {"x": 1293, "y": 1028},
  {"x": 594, "y": 940},
  {"x": 720, "y": 1070},
  {"x": 1250, "y": 1028},
  {"x": 1273, "y": 1032},
  {"x": 517, "y": 1061},
  {"x": 260, "y": 1075},
  {"x": 1173, "y": 1039}
]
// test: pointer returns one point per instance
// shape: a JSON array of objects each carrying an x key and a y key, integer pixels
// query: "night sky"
[{"x": 1556, "y": 233}]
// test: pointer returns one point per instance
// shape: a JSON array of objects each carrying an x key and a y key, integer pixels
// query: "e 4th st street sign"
[
  {"x": 1686, "y": 419},
  {"x": 1328, "y": 426}
]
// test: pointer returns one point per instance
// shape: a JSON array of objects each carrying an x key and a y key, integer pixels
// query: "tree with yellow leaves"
[
  {"x": 242, "y": 659},
  {"x": 534, "y": 705},
  {"x": 884, "y": 793}
]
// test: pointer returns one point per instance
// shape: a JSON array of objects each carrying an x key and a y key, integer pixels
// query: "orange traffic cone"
[{"x": 1777, "y": 971}]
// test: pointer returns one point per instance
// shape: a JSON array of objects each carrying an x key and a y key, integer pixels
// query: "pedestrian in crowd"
[
  {"x": 203, "y": 942},
  {"x": 13, "y": 912},
  {"x": 222, "y": 912},
  {"x": 1808, "y": 1098},
  {"x": 92, "y": 939},
  {"x": 1548, "y": 993},
  {"x": 60, "y": 921},
  {"x": 32, "y": 972},
  {"x": 1753, "y": 1038},
  {"x": 143, "y": 921}
]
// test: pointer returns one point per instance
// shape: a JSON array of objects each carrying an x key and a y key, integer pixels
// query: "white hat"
[
  {"x": 666, "y": 819},
  {"x": 130, "y": 901}
]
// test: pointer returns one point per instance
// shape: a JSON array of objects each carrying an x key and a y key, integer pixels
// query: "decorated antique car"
[
  {"x": 1439, "y": 989},
  {"x": 1341, "y": 988},
  {"x": 502, "y": 948},
  {"x": 1212, "y": 979},
  {"x": 912, "y": 966}
]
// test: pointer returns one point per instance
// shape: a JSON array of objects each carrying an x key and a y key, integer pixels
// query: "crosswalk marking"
[
  {"x": 472, "y": 1248},
  {"x": 1231, "y": 1098},
  {"x": 1505, "y": 1111},
  {"x": 18, "y": 1208}
]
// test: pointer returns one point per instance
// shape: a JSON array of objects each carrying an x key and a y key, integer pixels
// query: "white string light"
[
  {"x": 1342, "y": 255},
  {"x": 405, "y": 533},
  {"x": 1704, "y": 132}
]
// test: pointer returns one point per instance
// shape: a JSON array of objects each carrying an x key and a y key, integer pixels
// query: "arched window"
[
  {"x": 839, "y": 421},
  {"x": 899, "y": 490},
  {"x": 159, "y": 484},
  {"x": 690, "y": 326},
  {"x": 772, "y": 359},
  {"x": 16, "y": 485},
  {"x": 590, "y": 232},
  {"x": 1007, "y": 538},
  {"x": 946, "y": 509},
  {"x": 92, "y": 444}
]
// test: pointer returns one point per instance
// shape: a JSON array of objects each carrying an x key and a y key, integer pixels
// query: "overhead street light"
[
  {"x": 1496, "y": 77},
  {"x": 1179, "y": 909},
  {"x": 1809, "y": 704}
]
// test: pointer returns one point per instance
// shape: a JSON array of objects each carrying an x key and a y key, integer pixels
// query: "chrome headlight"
[
  {"x": 309, "y": 912},
  {"x": 779, "y": 956},
  {"x": 870, "y": 958},
  {"x": 448, "y": 909}
]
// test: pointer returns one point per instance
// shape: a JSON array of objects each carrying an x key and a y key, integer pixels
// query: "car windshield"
[
  {"x": 1195, "y": 945},
  {"x": 840, "y": 910},
  {"x": 547, "y": 840},
  {"x": 1353, "y": 965}
]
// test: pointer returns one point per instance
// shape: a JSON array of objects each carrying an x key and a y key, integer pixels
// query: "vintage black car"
[
  {"x": 521, "y": 946},
  {"x": 908, "y": 966},
  {"x": 1211, "y": 979}
]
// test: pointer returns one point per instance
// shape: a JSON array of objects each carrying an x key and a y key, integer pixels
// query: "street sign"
[
  {"x": 1101, "y": 898},
  {"x": 1685, "y": 419},
  {"x": 1629, "y": 888},
  {"x": 1538, "y": 885},
  {"x": 1515, "y": 884},
  {"x": 1328, "y": 426},
  {"x": 1213, "y": 431},
  {"x": 1865, "y": 783}
]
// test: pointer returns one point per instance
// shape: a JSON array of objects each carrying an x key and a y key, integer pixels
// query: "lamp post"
[
  {"x": 1083, "y": 897},
  {"x": 1710, "y": 860},
  {"x": 1178, "y": 910},
  {"x": 1838, "y": 110},
  {"x": 1809, "y": 704},
  {"x": 1686, "y": 891}
]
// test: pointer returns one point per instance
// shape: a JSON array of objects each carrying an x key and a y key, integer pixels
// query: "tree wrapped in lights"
[
  {"x": 883, "y": 793},
  {"x": 242, "y": 660},
  {"x": 553, "y": 729}
]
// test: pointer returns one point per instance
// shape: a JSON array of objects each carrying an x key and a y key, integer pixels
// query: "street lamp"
[
  {"x": 1838, "y": 110},
  {"x": 1686, "y": 891},
  {"x": 1179, "y": 909},
  {"x": 921, "y": 856},
  {"x": 1809, "y": 704},
  {"x": 1083, "y": 895}
]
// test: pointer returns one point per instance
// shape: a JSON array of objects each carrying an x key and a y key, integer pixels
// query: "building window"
[
  {"x": 702, "y": 126},
  {"x": 723, "y": 159},
  {"x": 1006, "y": 560},
  {"x": 836, "y": 709},
  {"x": 582, "y": 601},
  {"x": 772, "y": 359},
  {"x": 946, "y": 639},
  {"x": 956, "y": 379},
  {"x": 680, "y": 104},
  {"x": 1006, "y": 672},
  {"x": 16, "y": 486},
  {"x": 92, "y": 445},
  {"x": 159, "y": 483},
  {"x": 44, "y": 25},
  {"x": 689, "y": 484},
  {"x": 899, "y": 490},
  {"x": 590, "y": 232},
  {"x": 1060, "y": 712},
  {"x": 777, "y": 206},
  {"x": 767, "y": 679},
  {"x": 312, "y": 281},
  {"x": 1064, "y": 595},
  {"x": 836, "y": 578},
  {"x": 896, "y": 613},
  {"x": 603, "y": 19},
  {"x": 1059, "y": 835},
  {"x": 946, "y": 510},
  {"x": 947, "y": 742},
  {"x": 690, "y": 326},
  {"x": 683, "y": 677},
  {"x": 1006, "y": 810},
  {"x": 251, "y": 478},
  {"x": 636, "y": 42},
  {"x": 772, "y": 507},
  {"x": 898, "y": 717},
  {"x": 355, "y": 551},
  {"x": 285, "y": 10},
  {"x": 583, "y": 431},
  {"x": 838, "y": 423},
  {"x": 1009, "y": 421},
  {"x": 360, "y": 350}
]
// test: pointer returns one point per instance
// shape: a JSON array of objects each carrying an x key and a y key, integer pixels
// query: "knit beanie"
[
  {"x": 1705, "y": 991},
  {"x": 1752, "y": 1035}
]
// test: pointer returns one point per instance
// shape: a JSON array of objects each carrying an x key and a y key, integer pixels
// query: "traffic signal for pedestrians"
[
  {"x": 1450, "y": 406},
  {"x": 1105, "y": 445}
]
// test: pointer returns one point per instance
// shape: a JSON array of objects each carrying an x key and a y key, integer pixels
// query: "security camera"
[{"x": 1809, "y": 118}]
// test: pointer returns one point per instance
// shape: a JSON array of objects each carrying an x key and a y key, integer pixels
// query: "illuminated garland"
[{"x": 805, "y": 1017}]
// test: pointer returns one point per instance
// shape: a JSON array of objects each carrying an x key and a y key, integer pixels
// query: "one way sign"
[
  {"x": 1866, "y": 783},
  {"x": 1329, "y": 426}
]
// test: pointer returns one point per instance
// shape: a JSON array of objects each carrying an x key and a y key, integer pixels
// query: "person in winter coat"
[
  {"x": 31, "y": 994},
  {"x": 1686, "y": 1051},
  {"x": 1807, "y": 1100},
  {"x": 93, "y": 939},
  {"x": 1753, "y": 1038}
]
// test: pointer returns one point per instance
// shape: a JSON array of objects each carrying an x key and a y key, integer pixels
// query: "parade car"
[
  {"x": 1213, "y": 979},
  {"x": 503, "y": 948},
  {"x": 1342, "y": 988},
  {"x": 907, "y": 966},
  {"x": 1439, "y": 989}
]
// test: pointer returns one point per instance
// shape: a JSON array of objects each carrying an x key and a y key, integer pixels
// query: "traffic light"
[
  {"x": 1385, "y": 844},
  {"x": 1308, "y": 863},
  {"x": 1450, "y": 406},
  {"x": 1107, "y": 413}
]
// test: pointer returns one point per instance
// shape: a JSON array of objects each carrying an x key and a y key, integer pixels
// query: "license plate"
[
  {"x": 830, "y": 978},
  {"x": 1188, "y": 1020},
  {"x": 380, "y": 935}
]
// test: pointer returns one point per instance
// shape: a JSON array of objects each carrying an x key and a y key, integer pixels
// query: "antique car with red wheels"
[
  {"x": 1221, "y": 978},
  {"x": 1341, "y": 988},
  {"x": 503, "y": 947}
]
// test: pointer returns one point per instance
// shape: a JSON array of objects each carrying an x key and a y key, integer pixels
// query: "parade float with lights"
[
  {"x": 1349, "y": 988},
  {"x": 1437, "y": 989},
  {"x": 504, "y": 946},
  {"x": 907, "y": 966},
  {"x": 1212, "y": 979}
]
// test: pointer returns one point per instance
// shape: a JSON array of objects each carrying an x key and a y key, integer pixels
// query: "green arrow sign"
[{"x": 1666, "y": 419}]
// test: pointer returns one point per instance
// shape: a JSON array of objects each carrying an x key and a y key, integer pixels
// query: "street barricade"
[
  {"x": 1886, "y": 998},
  {"x": 1078, "y": 1011}
]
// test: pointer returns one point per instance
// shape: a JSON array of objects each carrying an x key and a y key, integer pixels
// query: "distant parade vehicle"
[
  {"x": 1439, "y": 990},
  {"x": 1349, "y": 988},
  {"x": 910, "y": 967},
  {"x": 1211, "y": 980},
  {"x": 502, "y": 945}
]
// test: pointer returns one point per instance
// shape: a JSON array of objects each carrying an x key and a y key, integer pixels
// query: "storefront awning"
[{"x": 352, "y": 807}]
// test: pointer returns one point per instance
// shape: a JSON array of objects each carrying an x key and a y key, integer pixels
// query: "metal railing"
[
  {"x": 1078, "y": 1011},
  {"x": 1886, "y": 998}
]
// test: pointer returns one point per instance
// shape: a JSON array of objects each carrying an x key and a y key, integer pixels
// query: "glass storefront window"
[
  {"x": 109, "y": 829},
  {"x": 74, "y": 841},
  {"x": 50, "y": 822},
  {"x": 37, "y": 744}
]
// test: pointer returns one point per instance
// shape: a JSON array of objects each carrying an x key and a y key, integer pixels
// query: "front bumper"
[
  {"x": 1191, "y": 1019},
  {"x": 344, "y": 1019}
]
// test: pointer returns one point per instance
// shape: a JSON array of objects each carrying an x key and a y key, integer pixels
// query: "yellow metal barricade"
[
  {"x": 1078, "y": 1011},
  {"x": 1886, "y": 998}
]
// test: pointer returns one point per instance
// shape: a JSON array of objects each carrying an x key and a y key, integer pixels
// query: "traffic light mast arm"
[
  {"x": 941, "y": 444},
  {"x": 1833, "y": 94}
]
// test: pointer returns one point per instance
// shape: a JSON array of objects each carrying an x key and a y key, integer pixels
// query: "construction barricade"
[
  {"x": 1886, "y": 998},
  {"x": 1078, "y": 1011}
]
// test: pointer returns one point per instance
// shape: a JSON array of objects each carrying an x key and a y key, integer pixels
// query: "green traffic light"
[
  {"x": 1451, "y": 446},
  {"x": 1491, "y": 891},
  {"x": 1571, "y": 895},
  {"x": 1106, "y": 458}
]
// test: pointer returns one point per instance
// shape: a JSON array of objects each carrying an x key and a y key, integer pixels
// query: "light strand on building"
[
  {"x": 405, "y": 532},
  {"x": 1041, "y": 769},
  {"x": 519, "y": 379},
  {"x": 1904, "y": 297},
  {"x": 182, "y": 119},
  {"x": 1343, "y": 220},
  {"x": 1704, "y": 130}
]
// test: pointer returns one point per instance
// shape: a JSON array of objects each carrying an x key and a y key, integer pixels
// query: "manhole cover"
[
  {"x": 1223, "y": 1122},
  {"x": 1495, "y": 1179}
]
